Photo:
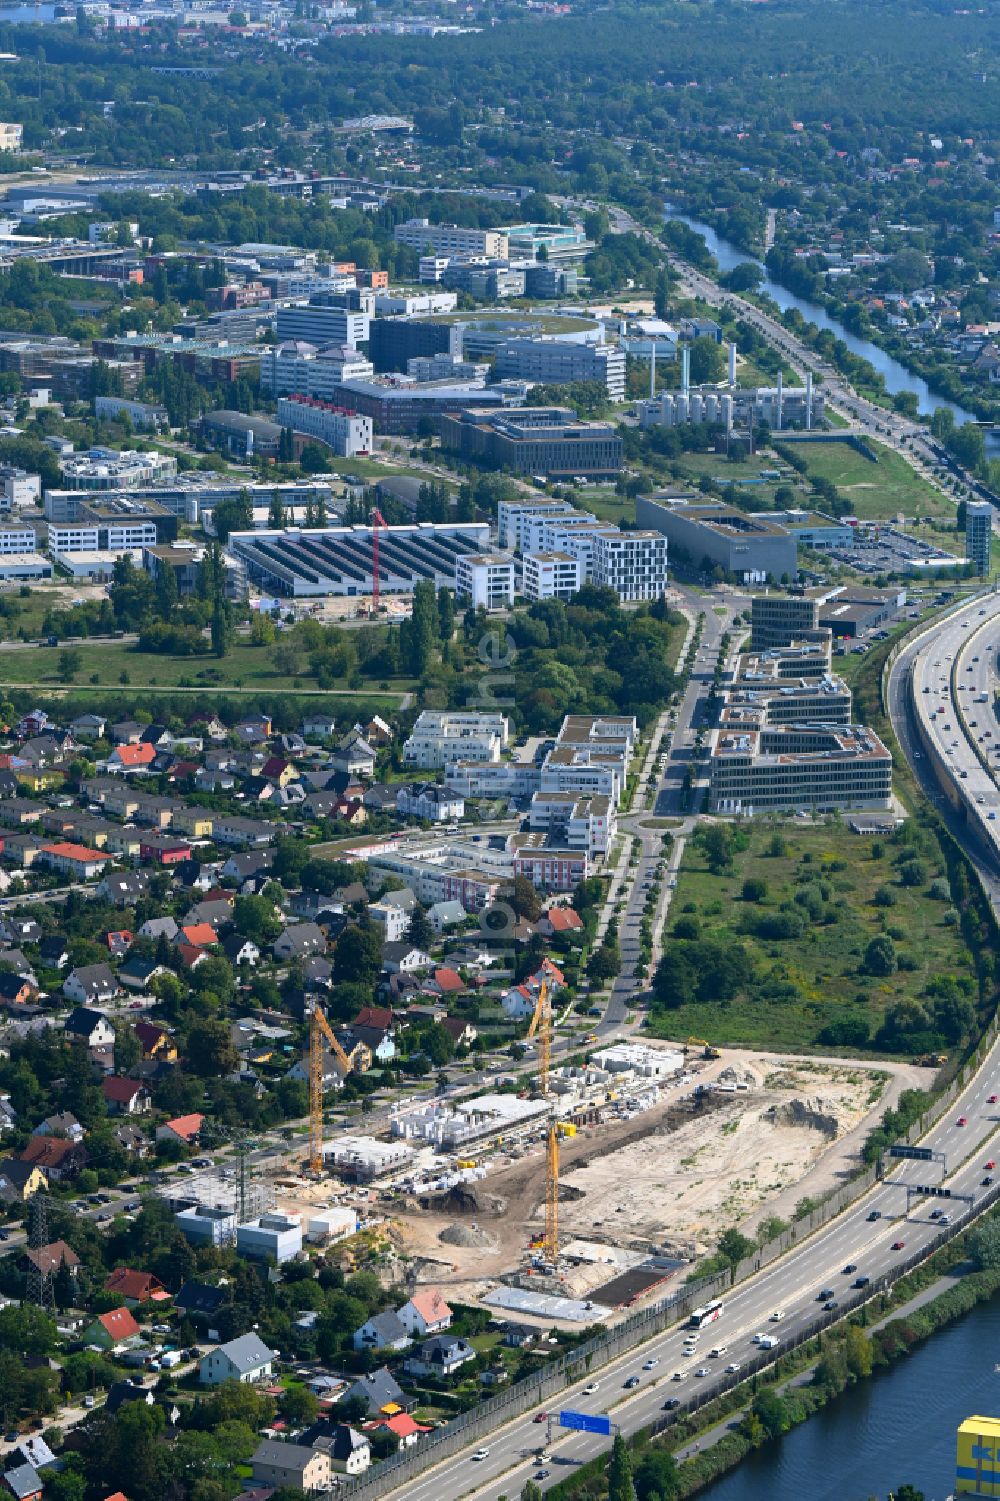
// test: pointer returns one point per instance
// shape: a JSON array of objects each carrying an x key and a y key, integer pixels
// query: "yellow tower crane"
[
  {"x": 320, "y": 1031},
  {"x": 541, "y": 1022}
]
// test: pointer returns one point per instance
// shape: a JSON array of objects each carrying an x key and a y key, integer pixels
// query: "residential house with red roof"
[
  {"x": 126, "y": 1096},
  {"x": 184, "y": 1128},
  {"x": 136, "y": 1287},
  {"x": 129, "y": 759},
  {"x": 115, "y": 1330},
  {"x": 426, "y": 1313}
]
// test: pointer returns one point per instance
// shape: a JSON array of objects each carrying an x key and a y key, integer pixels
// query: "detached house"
[
  {"x": 244, "y": 1359},
  {"x": 426, "y": 1313},
  {"x": 441, "y": 1356},
  {"x": 126, "y": 1096},
  {"x": 90, "y": 1027},
  {"x": 136, "y": 1287},
  {"x": 184, "y": 1128},
  {"x": 383, "y": 1331},
  {"x": 88, "y": 984},
  {"x": 113, "y": 1331},
  {"x": 299, "y": 941}
]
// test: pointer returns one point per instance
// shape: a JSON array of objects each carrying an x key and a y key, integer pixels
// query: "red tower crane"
[{"x": 377, "y": 520}]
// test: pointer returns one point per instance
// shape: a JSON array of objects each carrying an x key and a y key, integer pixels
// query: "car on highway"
[
  {"x": 732, "y": 1367},
  {"x": 719, "y": 1351},
  {"x": 851, "y": 1266},
  {"x": 992, "y": 1100},
  {"x": 897, "y": 1245},
  {"x": 633, "y": 1381},
  {"x": 651, "y": 1363},
  {"x": 827, "y": 1292},
  {"x": 679, "y": 1376},
  {"x": 776, "y": 1316},
  {"x": 591, "y": 1388},
  {"x": 671, "y": 1404},
  {"x": 963, "y": 1120},
  {"x": 830, "y": 1305},
  {"x": 861, "y": 1281},
  {"x": 539, "y": 1417},
  {"x": 987, "y": 1182},
  {"x": 989, "y": 1165},
  {"x": 481, "y": 1454},
  {"x": 702, "y": 1371},
  {"x": 875, "y": 1214}
]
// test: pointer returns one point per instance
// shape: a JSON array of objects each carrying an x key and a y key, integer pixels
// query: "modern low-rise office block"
[
  {"x": 346, "y": 433},
  {"x": 549, "y": 361},
  {"x": 707, "y": 535},
  {"x": 551, "y": 575},
  {"x": 485, "y": 580},
  {"x": 550, "y": 441},
  {"x": 819, "y": 767},
  {"x": 633, "y": 564}
]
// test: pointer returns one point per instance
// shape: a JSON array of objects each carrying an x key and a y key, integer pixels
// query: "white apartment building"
[
  {"x": 634, "y": 564},
  {"x": 492, "y": 778},
  {"x": 110, "y": 537},
  {"x": 513, "y": 517},
  {"x": 299, "y": 369},
  {"x": 587, "y": 823},
  {"x": 321, "y": 325},
  {"x": 576, "y": 535},
  {"x": 551, "y": 575},
  {"x": 11, "y": 136},
  {"x": 17, "y": 539},
  {"x": 346, "y": 433},
  {"x": 485, "y": 579},
  {"x": 443, "y": 735},
  {"x": 18, "y": 489},
  {"x": 451, "y": 239}
]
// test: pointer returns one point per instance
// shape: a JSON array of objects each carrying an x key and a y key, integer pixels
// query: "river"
[
  {"x": 897, "y": 377},
  {"x": 27, "y": 15},
  {"x": 899, "y": 1426}
]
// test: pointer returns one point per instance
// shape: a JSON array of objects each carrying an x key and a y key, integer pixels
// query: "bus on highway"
[{"x": 706, "y": 1315}]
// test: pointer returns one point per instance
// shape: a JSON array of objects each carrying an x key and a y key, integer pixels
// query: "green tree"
[
  {"x": 708, "y": 361},
  {"x": 446, "y": 614},
  {"x": 880, "y": 956},
  {"x": 69, "y": 663},
  {"x": 858, "y": 1352},
  {"x": 621, "y": 1486},
  {"x": 255, "y": 917}
]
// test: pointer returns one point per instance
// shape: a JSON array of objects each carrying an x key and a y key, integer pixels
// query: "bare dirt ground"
[{"x": 672, "y": 1178}]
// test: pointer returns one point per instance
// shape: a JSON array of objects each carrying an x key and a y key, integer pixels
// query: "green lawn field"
[{"x": 803, "y": 984}]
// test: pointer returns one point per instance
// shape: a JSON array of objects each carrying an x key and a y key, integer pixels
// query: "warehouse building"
[
  {"x": 710, "y": 534},
  {"x": 338, "y": 559}
]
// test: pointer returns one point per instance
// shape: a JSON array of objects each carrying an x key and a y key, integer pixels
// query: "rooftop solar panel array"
[{"x": 339, "y": 560}]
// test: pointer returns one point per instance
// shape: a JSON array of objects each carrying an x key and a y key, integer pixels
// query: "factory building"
[{"x": 339, "y": 559}]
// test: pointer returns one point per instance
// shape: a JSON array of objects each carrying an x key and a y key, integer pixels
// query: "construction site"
[{"x": 573, "y": 1192}]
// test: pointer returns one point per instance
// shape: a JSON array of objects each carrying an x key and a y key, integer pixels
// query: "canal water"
[
  {"x": 27, "y": 15},
  {"x": 897, "y": 377},
  {"x": 899, "y": 1426}
]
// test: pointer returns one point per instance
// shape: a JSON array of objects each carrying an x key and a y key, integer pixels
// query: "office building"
[
  {"x": 490, "y": 281},
  {"x": 241, "y": 435},
  {"x": 183, "y": 561},
  {"x": 977, "y": 1458},
  {"x": 549, "y": 361},
  {"x": 551, "y": 575},
  {"x": 109, "y": 469},
  {"x": 271, "y": 1238},
  {"x": 550, "y": 441},
  {"x": 813, "y": 529},
  {"x": 709, "y": 535},
  {"x": 317, "y": 322},
  {"x": 17, "y": 539},
  {"x": 443, "y": 735},
  {"x": 295, "y": 368},
  {"x": 852, "y": 610},
  {"x": 413, "y": 304},
  {"x": 428, "y": 367},
  {"x": 513, "y": 515},
  {"x": 396, "y": 404},
  {"x": 485, "y": 580},
  {"x": 979, "y": 534},
  {"x": 18, "y": 489},
  {"x": 339, "y": 559},
  {"x": 779, "y": 619},
  {"x": 550, "y": 242},
  {"x": 394, "y": 341},
  {"x": 450, "y": 239},
  {"x": 346, "y": 433},
  {"x": 633, "y": 564},
  {"x": 819, "y": 767},
  {"x": 763, "y": 685}
]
